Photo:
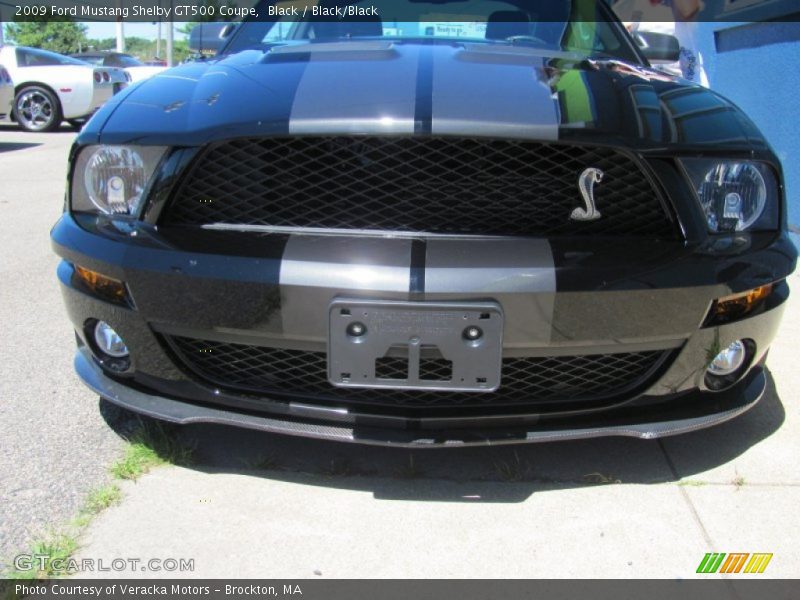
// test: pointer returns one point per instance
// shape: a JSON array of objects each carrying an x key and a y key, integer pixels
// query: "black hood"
[{"x": 371, "y": 87}]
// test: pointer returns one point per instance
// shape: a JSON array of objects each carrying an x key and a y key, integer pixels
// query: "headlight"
[
  {"x": 112, "y": 179},
  {"x": 735, "y": 195}
]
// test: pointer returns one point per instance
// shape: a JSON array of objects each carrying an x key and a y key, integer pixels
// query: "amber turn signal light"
[
  {"x": 735, "y": 306},
  {"x": 104, "y": 287}
]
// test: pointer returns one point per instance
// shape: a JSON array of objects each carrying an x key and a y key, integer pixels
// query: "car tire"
[{"x": 37, "y": 109}]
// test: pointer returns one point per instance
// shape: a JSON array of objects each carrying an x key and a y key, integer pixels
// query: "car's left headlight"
[
  {"x": 113, "y": 179},
  {"x": 735, "y": 195}
]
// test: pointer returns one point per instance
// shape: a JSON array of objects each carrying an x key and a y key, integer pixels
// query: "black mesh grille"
[
  {"x": 417, "y": 184},
  {"x": 525, "y": 381}
]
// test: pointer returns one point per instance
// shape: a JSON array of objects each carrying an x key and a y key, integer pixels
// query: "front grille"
[
  {"x": 538, "y": 381},
  {"x": 444, "y": 185}
]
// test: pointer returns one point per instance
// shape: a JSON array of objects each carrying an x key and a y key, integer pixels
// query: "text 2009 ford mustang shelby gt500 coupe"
[{"x": 370, "y": 231}]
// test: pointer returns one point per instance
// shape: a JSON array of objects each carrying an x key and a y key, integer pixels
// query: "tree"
[
  {"x": 138, "y": 46},
  {"x": 103, "y": 44},
  {"x": 56, "y": 36}
]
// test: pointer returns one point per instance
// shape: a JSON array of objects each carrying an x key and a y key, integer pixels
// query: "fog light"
[
  {"x": 729, "y": 366},
  {"x": 729, "y": 360},
  {"x": 109, "y": 341}
]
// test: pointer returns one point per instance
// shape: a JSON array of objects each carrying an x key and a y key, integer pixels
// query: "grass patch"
[
  {"x": 139, "y": 459},
  {"x": 264, "y": 462},
  {"x": 691, "y": 483},
  {"x": 53, "y": 548},
  {"x": 600, "y": 479},
  {"x": 96, "y": 502},
  {"x": 513, "y": 470},
  {"x": 339, "y": 467},
  {"x": 738, "y": 481},
  {"x": 410, "y": 470},
  {"x": 151, "y": 445}
]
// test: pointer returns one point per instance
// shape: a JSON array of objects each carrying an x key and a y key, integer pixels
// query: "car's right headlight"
[
  {"x": 112, "y": 180},
  {"x": 735, "y": 195}
]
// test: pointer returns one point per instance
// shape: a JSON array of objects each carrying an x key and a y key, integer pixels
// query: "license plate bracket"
[{"x": 415, "y": 345}]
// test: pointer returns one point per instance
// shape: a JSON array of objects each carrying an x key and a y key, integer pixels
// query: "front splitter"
[{"x": 184, "y": 413}]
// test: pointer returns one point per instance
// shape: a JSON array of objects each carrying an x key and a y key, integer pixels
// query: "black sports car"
[{"x": 495, "y": 227}]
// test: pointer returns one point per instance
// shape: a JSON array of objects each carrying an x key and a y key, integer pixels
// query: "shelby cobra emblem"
[{"x": 586, "y": 183}]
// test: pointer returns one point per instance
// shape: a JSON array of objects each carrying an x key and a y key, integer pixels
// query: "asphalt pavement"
[
  {"x": 55, "y": 444},
  {"x": 261, "y": 505}
]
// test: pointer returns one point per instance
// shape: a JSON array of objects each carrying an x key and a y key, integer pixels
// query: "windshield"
[
  {"x": 95, "y": 60},
  {"x": 123, "y": 60},
  {"x": 585, "y": 27}
]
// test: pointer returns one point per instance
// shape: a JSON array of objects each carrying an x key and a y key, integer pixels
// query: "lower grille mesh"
[{"x": 525, "y": 381}]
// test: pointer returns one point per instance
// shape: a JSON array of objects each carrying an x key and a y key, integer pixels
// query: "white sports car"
[
  {"x": 50, "y": 88},
  {"x": 133, "y": 66},
  {"x": 6, "y": 92}
]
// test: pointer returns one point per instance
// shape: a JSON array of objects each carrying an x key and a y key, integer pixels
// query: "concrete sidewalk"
[{"x": 259, "y": 505}]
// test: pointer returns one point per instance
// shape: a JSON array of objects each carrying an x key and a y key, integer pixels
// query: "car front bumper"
[
  {"x": 603, "y": 297},
  {"x": 691, "y": 414}
]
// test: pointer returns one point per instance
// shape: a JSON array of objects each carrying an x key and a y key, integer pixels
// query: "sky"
[{"x": 144, "y": 30}]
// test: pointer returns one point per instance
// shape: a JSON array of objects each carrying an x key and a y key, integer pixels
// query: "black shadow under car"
[{"x": 377, "y": 229}]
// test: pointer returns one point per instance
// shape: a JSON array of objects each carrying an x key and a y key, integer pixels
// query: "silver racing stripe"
[
  {"x": 316, "y": 269},
  {"x": 370, "y": 91},
  {"x": 437, "y": 89},
  {"x": 480, "y": 92},
  {"x": 518, "y": 273}
]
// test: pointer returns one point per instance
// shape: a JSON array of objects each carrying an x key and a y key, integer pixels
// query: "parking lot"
[{"x": 259, "y": 505}]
